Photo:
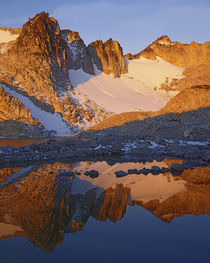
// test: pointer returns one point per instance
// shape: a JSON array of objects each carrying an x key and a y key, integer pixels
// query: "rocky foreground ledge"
[
  {"x": 119, "y": 148},
  {"x": 185, "y": 136}
]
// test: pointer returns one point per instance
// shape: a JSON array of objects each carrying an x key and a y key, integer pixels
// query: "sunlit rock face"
[
  {"x": 12, "y": 109},
  {"x": 40, "y": 47},
  {"x": 44, "y": 202},
  {"x": 188, "y": 99},
  {"x": 108, "y": 57},
  {"x": 183, "y": 55},
  {"x": 194, "y": 57},
  {"x": 36, "y": 64}
]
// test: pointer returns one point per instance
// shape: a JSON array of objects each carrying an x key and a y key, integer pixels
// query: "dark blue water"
[{"x": 138, "y": 237}]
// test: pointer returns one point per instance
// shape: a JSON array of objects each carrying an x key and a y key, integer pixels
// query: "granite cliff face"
[
  {"x": 108, "y": 57},
  {"x": 38, "y": 62},
  {"x": 37, "y": 66},
  {"x": 39, "y": 47},
  {"x": 78, "y": 55},
  {"x": 12, "y": 109}
]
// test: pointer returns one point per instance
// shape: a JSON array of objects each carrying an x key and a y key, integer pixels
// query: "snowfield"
[
  {"x": 134, "y": 91},
  {"x": 6, "y": 36},
  {"x": 152, "y": 73}
]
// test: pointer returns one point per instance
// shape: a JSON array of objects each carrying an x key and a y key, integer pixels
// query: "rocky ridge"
[
  {"x": 108, "y": 57},
  {"x": 38, "y": 65},
  {"x": 193, "y": 57},
  {"x": 183, "y": 55}
]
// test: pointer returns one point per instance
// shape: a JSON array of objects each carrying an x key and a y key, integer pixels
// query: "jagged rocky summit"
[{"x": 51, "y": 82}]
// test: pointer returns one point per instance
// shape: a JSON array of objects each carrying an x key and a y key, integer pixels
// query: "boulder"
[{"x": 92, "y": 173}]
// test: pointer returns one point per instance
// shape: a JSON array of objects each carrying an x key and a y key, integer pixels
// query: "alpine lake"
[{"x": 104, "y": 211}]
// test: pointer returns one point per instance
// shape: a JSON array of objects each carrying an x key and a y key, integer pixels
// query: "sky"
[{"x": 133, "y": 23}]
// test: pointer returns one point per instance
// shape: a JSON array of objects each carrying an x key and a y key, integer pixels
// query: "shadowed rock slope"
[{"x": 193, "y": 124}]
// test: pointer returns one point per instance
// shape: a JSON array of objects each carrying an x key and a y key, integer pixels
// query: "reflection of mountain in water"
[{"x": 43, "y": 203}]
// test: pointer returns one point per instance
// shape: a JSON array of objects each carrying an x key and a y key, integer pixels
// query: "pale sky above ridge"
[{"x": 135, "y": 23}]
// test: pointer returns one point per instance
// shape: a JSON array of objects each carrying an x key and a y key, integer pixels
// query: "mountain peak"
[
  {"x": 163, "y": 40},
  {"x": 41, "y": 18}
]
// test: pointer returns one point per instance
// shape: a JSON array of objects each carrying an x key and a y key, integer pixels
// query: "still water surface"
[
  {"x": 25, "y": 141},
  {"x": 58, "y": 213}
]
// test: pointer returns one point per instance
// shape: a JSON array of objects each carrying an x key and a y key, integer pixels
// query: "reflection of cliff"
[
  {"x": 31, "y": 205},
  {"x": 113, "y": 203},
  {"x": 7, "y": 172},
  {"x": 195, "y": 200},
  {"x": 44, "y": 205}
]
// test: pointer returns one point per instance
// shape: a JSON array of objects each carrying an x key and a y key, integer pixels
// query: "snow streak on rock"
[{"x": 50, "y": 121}]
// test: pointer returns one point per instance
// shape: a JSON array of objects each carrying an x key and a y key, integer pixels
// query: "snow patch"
[
  {"x": 154, "y": 145},
  {"x": 50, "y": 121},
  {"x": 165, "y": 43},
  {"x": 152, "y": 73},
  {"x": 6, "y": 36},
  {"x": 129, "y": 146},
  {"x": 193, "y": 143}
]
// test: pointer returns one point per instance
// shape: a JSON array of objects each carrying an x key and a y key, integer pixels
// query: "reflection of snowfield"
[
  {"x": 142, "y": 187},
  {"x": 133, "y": 91}
]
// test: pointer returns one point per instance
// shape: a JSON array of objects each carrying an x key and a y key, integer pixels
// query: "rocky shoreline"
[
  {"x": 120, "y": 149},
  {"x": 183, "y": 136}
]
